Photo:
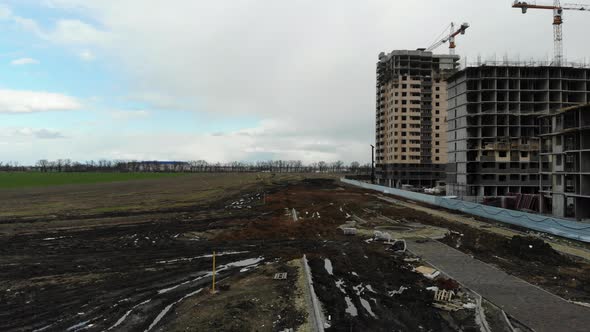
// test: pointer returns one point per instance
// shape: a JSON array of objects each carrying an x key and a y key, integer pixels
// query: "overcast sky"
[{"x": 227, "y": 80}]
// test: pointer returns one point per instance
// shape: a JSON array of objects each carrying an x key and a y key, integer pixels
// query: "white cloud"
[
  {"x": 161, "y": 101},
  {"x": 86, "y": 55},
  {"x": 27, "y": 24},
  {"x": 65, "y": 31},
  {"x": 76, "y": 32},
  {"x": 30, "y": 133},
  {"x": 19, "y": 101},
  {"x": 129, "y": 115},
  {"x": 83, "y": 145},
  {"x": 222, "y": 58},
  {"x": 307, "y": 67},
  {"x": 5, "y": 12},
  {"x": 24, "y": 61}
]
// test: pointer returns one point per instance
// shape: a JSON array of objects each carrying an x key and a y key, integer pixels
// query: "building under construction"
[
  {"x": 493, "y": 125},
  {"x": 411, "y": 112},
  {"x": 565, "y": 146}
]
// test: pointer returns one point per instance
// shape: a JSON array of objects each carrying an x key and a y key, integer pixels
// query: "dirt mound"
[
  {"x": 531, "y": 248},
  {"x": 448, "y": 284},
  {"x": 521, "y": 248},
  {"x": 529, "y": 258}
]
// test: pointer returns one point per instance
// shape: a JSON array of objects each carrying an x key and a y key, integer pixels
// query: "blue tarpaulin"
[{"x": 562, "y": 227}]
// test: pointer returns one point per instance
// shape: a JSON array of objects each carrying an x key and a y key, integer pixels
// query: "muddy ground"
[
  {"x": 90, "y": 264},
  {"x": 526, "y": 256},
  {"x": 529, "y": 258},
  {"x": 150, "y": 268}
]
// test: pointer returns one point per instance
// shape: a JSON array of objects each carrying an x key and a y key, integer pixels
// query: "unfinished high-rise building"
[
  {"x": 411, "y": 112},
  {"x": 565, "y": 146},
  {"x": 493, "y": 125}
]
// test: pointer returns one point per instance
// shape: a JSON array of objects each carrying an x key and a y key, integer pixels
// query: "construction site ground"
[
  {"x": 562, "y": 245},
  {"x": 531, "y": 305},
  {"x": 558, "y": 265},
  {"x": 137, "y": 256}
]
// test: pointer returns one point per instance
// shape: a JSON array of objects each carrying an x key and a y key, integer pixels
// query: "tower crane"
[
  {"x": 557, "y": 21},
  {"x": 450, "y": 38}
]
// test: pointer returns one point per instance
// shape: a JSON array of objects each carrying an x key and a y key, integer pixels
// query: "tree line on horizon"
[{"x": 196, "y": 166}]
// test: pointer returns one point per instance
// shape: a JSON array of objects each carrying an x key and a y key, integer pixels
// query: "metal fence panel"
[
  {"x": 398, "y": 192},
  {"x": 556, "y": 226}
]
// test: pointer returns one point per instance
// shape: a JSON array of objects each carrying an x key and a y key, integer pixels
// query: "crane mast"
[
  {"x": 557, "y": 9},
  {"x": 557, "y": 33}
]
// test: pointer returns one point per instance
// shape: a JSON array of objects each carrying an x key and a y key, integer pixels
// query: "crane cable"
[{"x": 440, "y": 36}]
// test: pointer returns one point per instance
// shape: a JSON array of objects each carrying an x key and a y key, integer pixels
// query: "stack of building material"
[
  {"x": 427, "y": 271},
  {"x": 515, "y": 201},
  {"x": 528, "y": 202},
  {"x": 509, "y": 202},
  {"x": 493, "y": 201}
]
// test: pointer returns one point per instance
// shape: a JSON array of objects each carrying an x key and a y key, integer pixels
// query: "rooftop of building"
[
  {"x": 518, "y": 64},
  {"x": 525, "y": 63},
  {"x": 421, "y": 52}
]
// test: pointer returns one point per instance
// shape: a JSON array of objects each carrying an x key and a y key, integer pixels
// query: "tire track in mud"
[
  {"x": 135, "y": 280},
  {"x": 88, "y": 279},
  {"x": 131, "y": 277}
]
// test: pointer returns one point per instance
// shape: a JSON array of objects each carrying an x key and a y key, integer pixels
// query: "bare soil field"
[
  {"x": 123, "y": 198},
  {"x": 17, "y": 180},
  {"x": 137, "y": 256}
]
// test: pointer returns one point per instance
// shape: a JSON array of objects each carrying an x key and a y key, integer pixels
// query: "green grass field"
[{"x": 11, "y": 180}]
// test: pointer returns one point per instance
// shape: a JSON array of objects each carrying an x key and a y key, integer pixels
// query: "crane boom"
[
  {"x": 450, "y": 38},
  {"x": 568, "y": 6},
  {"x": 557, "y": 9}
]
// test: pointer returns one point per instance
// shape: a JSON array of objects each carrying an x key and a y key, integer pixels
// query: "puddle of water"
[
  {"x": 168, "y": 307},
  {"x": 328, "y": 266},
  {"x": 340, "y": 284},
  {"x": 358, "y": 289},
  {"x": 244, "y": 262},
  {"x": 367, "y": 307},
  {"x": 78, "y": 326},
  {"x": 122, "y": 319},
  {"x": 166, "y": 290},
  {"x": 399, "y": 291},
  {"x": 160, "y": 316},
  {"x": 350, "y": 307},
  {"x": 54, "y": 238},
  {"x": 202, "y": 256},
  {"x": 46, "y": 326}
]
